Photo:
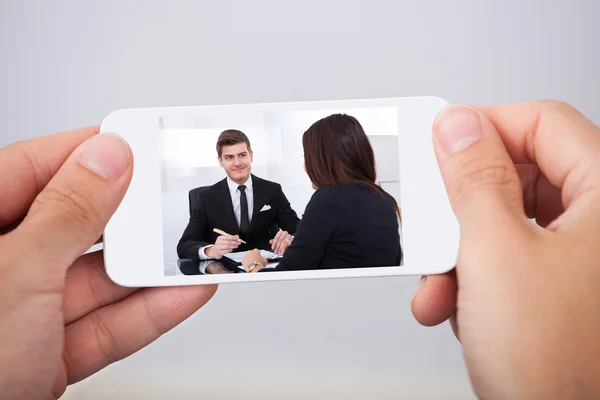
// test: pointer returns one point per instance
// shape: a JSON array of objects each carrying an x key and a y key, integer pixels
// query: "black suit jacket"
[
  {"x": 344, "y": 227},
  {"x": 214, "y": 209}
]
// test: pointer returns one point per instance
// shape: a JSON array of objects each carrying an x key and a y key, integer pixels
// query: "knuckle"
[
  {"x": 477, "y": 173},
  {"x": 39, "y": 172},
  {"x": 154, "y": 327},
  {"x": 551, "y": 109},
  {"x": 557, "y": 106},
  {"x": 75, "y": 204}
]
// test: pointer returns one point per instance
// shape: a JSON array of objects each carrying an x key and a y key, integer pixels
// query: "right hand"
[
  {"x": 527, "y": 304},
  {"x": 223, "y": 245}
]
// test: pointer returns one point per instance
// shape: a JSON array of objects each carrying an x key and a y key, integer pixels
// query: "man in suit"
[{"x": 242, "y": 204}]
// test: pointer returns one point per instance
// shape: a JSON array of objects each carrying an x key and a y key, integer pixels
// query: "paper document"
[{"x": 238, "y": 256}]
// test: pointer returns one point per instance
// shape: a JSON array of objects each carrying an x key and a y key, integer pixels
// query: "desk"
[{"x": 223, "y": 266}]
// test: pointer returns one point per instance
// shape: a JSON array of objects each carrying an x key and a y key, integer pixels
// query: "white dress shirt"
[{"x": 237, "y": 209}]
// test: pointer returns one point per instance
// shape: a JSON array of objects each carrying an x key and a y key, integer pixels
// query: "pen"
[{"x": 220, "y": 232}]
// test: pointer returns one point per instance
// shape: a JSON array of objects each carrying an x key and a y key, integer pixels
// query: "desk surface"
[{"x": 197, "y": 267}]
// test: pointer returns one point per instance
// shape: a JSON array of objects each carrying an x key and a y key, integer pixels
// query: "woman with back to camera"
[{"x": 349, "y": 221}]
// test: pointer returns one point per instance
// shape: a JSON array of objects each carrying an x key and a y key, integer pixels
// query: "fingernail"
[
  {"x": 106, "y": 155},
  {"x": 423, "y": 279},
  {"x": 456, "y": 128}
]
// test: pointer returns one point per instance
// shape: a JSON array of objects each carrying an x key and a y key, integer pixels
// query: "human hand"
[
  {"x": 223, "y": 245},
  {"x": 254, "y": 256},
  {"x": 217, "y": 268},
  {"x": 281, "y": 241},
  {"x": 528, "y": 309},
  {"x": 61, "y": 318}
]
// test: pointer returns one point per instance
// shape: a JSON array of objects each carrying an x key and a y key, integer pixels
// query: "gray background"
[{"x": 67, "y": 64}]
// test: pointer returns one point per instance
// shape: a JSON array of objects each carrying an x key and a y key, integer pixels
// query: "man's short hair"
[{"x": 230, "y": 137}]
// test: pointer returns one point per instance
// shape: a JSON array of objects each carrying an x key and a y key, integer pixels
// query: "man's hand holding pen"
[{"x": 223, "y": 245}]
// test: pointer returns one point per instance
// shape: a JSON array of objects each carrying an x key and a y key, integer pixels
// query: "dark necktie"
[{"x": 244, "y": 222}]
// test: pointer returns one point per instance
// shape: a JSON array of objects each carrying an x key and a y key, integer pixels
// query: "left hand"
[
  {"x": 61, "y": 318},
  {"x": 280, "y": 242},
  {"x": 253, "y": 256}
]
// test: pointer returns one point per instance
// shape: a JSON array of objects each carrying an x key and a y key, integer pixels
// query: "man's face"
[{"x": 236, "y": 160}]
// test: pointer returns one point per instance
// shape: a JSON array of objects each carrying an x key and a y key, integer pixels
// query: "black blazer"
[
  {"x": 214, "y": 209},
  {"x": 344, "y": 227}
]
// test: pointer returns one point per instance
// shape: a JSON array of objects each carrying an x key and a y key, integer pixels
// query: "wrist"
[
  {"x": 210, "y": 252},
  {"x": 253, "y": 265}
]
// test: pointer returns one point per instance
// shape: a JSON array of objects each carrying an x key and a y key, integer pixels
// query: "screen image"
[{"x": 281, "y": 190}]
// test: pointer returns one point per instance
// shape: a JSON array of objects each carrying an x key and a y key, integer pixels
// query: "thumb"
[
  {"x": 71, "y": 212},
  {"x": 479, "y": 175}
]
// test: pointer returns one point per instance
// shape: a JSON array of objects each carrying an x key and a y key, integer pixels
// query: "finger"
[
  {"x": 560, "y": 140},
  {"x": 434, "y": 300},
  {"x": 116, "y": 331},
  {"x": 224, "y": 246},
  {"x": 277, "y": 238},
  {"x": 279, "y": 245},
  {"x": 232, "y": 241},
  {"x": 88, "y": 288},
  {"x": 70, "y": 214},
  {"x": 227, "y": 239},
  {"x": 12, "y": 226},
  {"x": 284, "y": 245},
  {"x": 480, "y": 177},
  {"x": 285, "y": 241},
  {"x": 232, "y": 245},
  {"x": 28, "y": 166},
  {"x": 542, "y": 200},
  {"x": 225, "y": 243}
]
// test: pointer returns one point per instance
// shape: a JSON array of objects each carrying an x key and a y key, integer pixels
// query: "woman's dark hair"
[{"x": 337, "y": 151}]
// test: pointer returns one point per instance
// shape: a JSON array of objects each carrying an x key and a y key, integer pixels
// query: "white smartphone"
[{"x": 185, "y": 193}]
